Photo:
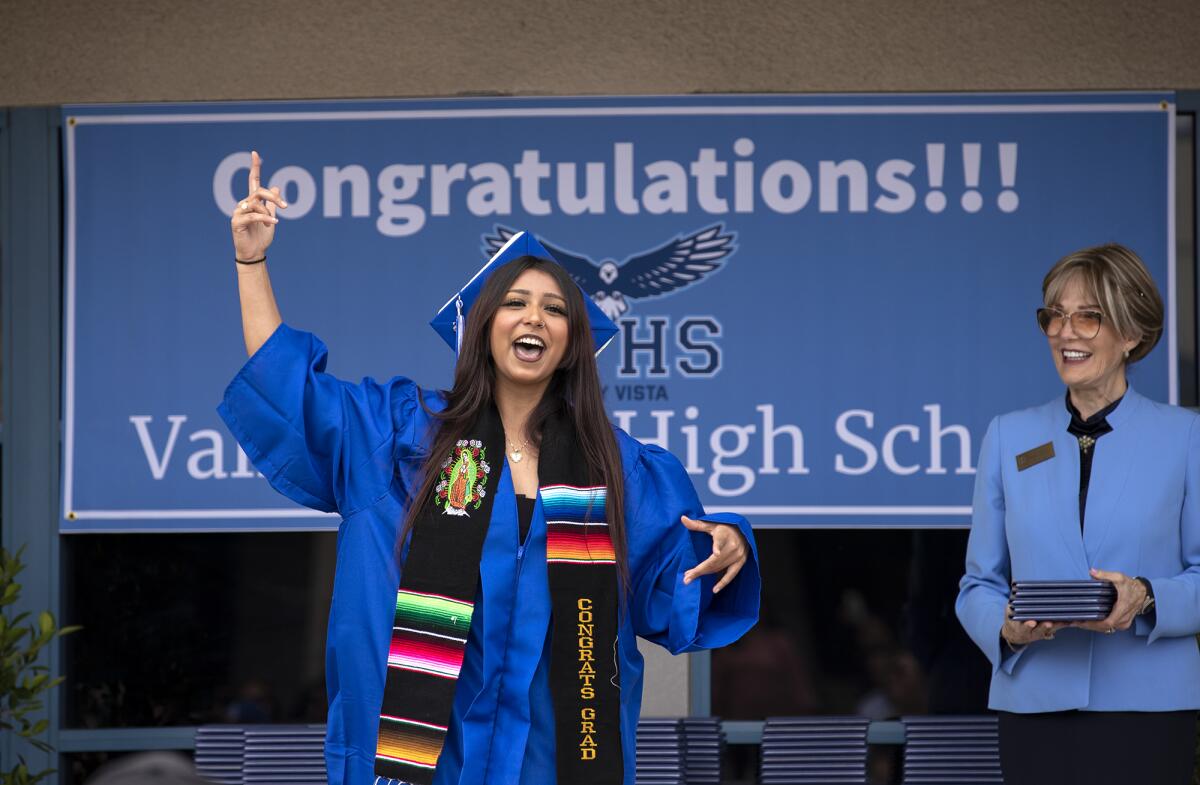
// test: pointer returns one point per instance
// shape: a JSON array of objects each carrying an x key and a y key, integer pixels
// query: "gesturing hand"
[
  {"x": 254, "y": 220},
  {"x": 728, "y": 552}
]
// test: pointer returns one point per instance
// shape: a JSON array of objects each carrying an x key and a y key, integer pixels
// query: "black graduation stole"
[{"x": 436, "y": 598}]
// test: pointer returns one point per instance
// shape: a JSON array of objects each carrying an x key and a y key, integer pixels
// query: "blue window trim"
[
  {"x": 30, "y": 308},
  {"x": 1187, "y": 232}
]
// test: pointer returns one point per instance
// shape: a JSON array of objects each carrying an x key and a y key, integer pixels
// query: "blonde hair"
[{"x": 1122, "y": 287}]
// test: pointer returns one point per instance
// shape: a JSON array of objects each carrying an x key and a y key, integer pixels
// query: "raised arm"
[{"x": 253, "y": 226}]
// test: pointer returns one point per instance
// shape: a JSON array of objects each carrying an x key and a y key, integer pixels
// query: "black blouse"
[
  {"x": 1088, "y": 432},
  {"x": 524, "y": 514}
]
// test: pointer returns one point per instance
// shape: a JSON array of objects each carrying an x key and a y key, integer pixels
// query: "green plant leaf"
[
  {"x": 23, "y": 679},
  {"x": 14, "y": 636}
]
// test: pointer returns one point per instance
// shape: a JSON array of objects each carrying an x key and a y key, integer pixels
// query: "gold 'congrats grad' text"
[{"x": 587, "y": 674}]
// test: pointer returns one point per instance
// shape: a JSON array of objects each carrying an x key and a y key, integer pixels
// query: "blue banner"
[{"x": 852, "y": 298}]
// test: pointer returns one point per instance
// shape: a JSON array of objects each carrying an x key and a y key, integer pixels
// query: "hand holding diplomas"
[
  {"x": 1020, "y": 633},
  {"x": 1131, "y": 597}
]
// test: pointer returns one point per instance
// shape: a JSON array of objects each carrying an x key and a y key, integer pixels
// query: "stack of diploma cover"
[
  {"x": 248, "y": 754},
  {"x": 660, "y": 752},
  {"x": 963, "y": 750},
  {"x": 285, "y": 754},
  {"x": 703, "y": 746},
  {"x": 1062, "y": 600},
  {"x": 814, "y": 750},
  {"x": 220, "y": 753}
]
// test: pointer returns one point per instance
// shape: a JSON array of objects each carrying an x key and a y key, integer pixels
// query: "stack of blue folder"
[
  {"x": 1062, "y": 600},
  {"x": 250, "y": 754},
  {"x": 963, "y": 750},
  {"x": 285, "y": 754},
  {"x": 814, "y": 750},
  {"x": 704, "y": 746},
  {"x": 220, "y": 753},
  {"x": 660, "y": 752}
]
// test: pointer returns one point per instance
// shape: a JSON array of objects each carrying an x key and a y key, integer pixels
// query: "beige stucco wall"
[{"x": 60, "y": 51}]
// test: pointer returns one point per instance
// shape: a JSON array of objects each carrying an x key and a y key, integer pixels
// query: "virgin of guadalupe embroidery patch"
[{"x": 463, "y": 482}]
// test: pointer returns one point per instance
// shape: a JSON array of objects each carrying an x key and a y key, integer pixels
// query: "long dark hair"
[{"x": 574, "y": 390}]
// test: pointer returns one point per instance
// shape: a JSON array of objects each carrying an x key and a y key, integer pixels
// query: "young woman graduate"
[{"x": 501, "y": 543}]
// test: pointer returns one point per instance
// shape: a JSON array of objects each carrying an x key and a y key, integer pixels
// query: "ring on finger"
[{"x": 245, "y": 207}]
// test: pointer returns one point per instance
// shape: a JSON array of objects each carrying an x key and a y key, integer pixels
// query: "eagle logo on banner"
[{"x": 664, "y": 270}]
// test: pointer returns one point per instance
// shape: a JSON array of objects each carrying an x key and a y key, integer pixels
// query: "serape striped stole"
[
  {"x": 429, "y": 637},
  {"x": 573, "y": 533}
]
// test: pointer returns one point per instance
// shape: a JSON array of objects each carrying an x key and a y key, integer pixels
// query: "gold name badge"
[{"x": 1035, "y": 456}]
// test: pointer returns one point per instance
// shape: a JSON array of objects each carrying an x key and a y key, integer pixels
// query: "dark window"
[
  {"x": 188, "y": 629},
  {"x": 854, "y": 622}
]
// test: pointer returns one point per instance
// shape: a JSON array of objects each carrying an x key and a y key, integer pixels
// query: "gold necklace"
[{"x": 515, "y": 454}]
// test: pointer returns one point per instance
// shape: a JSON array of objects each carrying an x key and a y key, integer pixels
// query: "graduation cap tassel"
[{"x": 459, "y": 325}]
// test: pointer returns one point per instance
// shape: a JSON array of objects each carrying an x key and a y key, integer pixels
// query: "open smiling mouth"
[
  {"x": 1074, "y": 356},
  {"x": 529, "y": 348}
]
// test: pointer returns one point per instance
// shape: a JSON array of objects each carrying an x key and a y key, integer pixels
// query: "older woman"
[{"x": 1106, "y": 485}]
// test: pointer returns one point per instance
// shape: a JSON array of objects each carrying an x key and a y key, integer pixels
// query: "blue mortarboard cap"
[{"x": 449, "y": 319}]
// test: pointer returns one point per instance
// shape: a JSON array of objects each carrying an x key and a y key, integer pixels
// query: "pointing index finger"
[
  {"x": 255, "y": 170},
  {"x": 695, "y": 525}
]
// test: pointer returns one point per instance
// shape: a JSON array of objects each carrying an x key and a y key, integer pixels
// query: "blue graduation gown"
[{"x": 357, "y": 450}]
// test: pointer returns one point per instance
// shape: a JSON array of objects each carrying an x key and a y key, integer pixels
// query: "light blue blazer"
[{"x": 1143, "y": 519}]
